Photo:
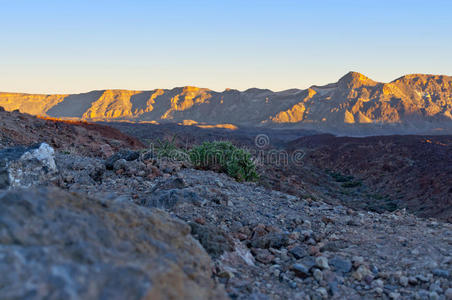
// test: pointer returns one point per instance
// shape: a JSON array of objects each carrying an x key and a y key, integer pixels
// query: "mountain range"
[{"x": 355, "y": 104}]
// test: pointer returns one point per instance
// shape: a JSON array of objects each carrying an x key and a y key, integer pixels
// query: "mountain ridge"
[{"x": 413, "y": 102}]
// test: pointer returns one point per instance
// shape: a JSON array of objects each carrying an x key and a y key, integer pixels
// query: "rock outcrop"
[
  {"x": 57, "y": 245},
  {"x": 26, "y": 167},
  {"x": 413, "y": 103}
]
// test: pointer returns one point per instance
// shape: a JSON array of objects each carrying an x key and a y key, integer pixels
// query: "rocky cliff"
[{"x": 355, "y": 104}]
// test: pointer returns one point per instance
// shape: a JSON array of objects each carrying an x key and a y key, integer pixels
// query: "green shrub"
[
  {"x": 340, "y": 177},
  {"x": 167, "y": 149},
  {"x": 226, "y": 158},
  {"x": 351, "y": 184}
]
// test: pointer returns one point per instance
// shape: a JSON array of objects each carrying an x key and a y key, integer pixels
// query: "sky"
[{"x": 78, "y": 46}]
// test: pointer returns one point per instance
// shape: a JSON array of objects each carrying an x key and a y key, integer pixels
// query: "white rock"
[
  {"x": 322, "y": 262},
  {"x": 377, "y": 283},
  {"x": 394, "y": 295},
  {"x": 45, "y": 154},
  {"x": 378, "y": 290},
  {"x": 403, "y": 281},
  {"x": 318, "y": 275},
  {"x": 323, "y": 292}
]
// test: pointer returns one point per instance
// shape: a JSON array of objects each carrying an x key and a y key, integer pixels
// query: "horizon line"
[{"x": 216, "y": 91}]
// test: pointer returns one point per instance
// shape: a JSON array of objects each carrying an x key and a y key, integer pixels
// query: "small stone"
[
  {"x": 383, "y": 275},
  {"x": 435, "y": 287},
  {"x": 415, "y": 252},
  {"x": 422, "y": 278},
  {"x": 200, "y": 220},
  {"x": 361, "y": 273},
  {"x": 433, "y": 296},
  {"x": 374, "y": 269},
  {"x": 403, "y": 280},
  {"x": 274, "y": 240},
  {"x": 378, "y": 290},
  {"x": 341, "y": 265},
  {"x": 300, "y": 270},
  {"x": 259, "y": 231},
  {"x": 432, "y": 265},
  {"x": 311, "y": 241},
  {"x": 448, "y": 294},
  {"x": 422, "y": 294},
  {"x": 327, "y": 220},
  {"x": 397, "y": 274},
  {"x": 368, "y": 278},
  {"x": 412, "y": 280},
  {"x": 127, "y": 155},
  {"x": 313, "y": 250},
  {"x": 334, "y": 287},
  {"x": 308, "y": 262},
  {"x": 262, "y": 255},
  {"x": 318, "y": 275},
  {"x": 377, "y": 283},
  {"x": 295, "y": 235},
  {"x": 307, "y": 224},
  {"x": 333, "y": 246},
  {"x": 322, "y": 262},
  {"x": 357, "y": 261},
  {"x": 394, "y": 295},
  {"x": 323, "y": 292},
  {"x": 242, "y": 236},
  {"x": 298, "y": 252},
  {"x": 120, "y": 164},
  {"x": 441, "y": 273},
  {"x": 293, "y": 284}
]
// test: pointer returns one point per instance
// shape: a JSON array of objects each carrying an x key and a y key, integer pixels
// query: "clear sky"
[{"x": 77, "y": 46}]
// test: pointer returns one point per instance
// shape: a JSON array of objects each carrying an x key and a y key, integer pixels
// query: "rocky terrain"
[
  {"x": 355, "y": 105},
  {"x": 69, "y": 136},
  {"x": 377, "y": 173},
  {"x": 57, "y": 245},
  {"x": 132, "y": 225},
  {"x": 411, "y": 172}
]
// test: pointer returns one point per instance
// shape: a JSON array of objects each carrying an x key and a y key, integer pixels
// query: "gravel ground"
[{"x": 270, "y": 245}]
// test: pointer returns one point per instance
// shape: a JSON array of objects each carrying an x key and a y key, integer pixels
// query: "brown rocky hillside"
[{"x": 354, "y": 105}]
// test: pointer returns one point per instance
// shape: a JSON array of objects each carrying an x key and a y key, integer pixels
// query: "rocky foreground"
[{"x": 136, "y": 227}]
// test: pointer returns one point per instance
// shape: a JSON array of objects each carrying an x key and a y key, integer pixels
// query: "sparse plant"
[
  {"x": 167, "y": 148},
  {"x": 351, "y": 184},
  {"x": 338, "y": 177},
  {"x": 226, "y": 158}
]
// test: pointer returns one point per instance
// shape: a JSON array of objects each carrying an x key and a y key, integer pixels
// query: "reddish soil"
[
  {"x": 412, "y": 172},
  {"x": 71, "y": 136}
]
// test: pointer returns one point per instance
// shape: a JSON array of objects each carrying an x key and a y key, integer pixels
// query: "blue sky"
[{"x": 77, "y": 46}]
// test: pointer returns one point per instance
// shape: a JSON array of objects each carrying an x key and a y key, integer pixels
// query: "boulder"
[
  {"x": 57, "y": 245},
  {"x": 127, "y": 155},
  {"x": 271, "y": 240},
  {"x": 213, "y": 239},
  {"x": 27, "y": 166}
]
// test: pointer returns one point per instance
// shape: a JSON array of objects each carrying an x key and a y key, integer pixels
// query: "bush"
[
  {"x": 168, "y": 149},
  {"x": 226, "y": 158},
  {"x": 351, "y": 184},
  {"x": 338, "y": 177}
]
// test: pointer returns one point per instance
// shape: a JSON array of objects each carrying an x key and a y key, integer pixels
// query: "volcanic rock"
[{"x": 64, "y": 246}]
